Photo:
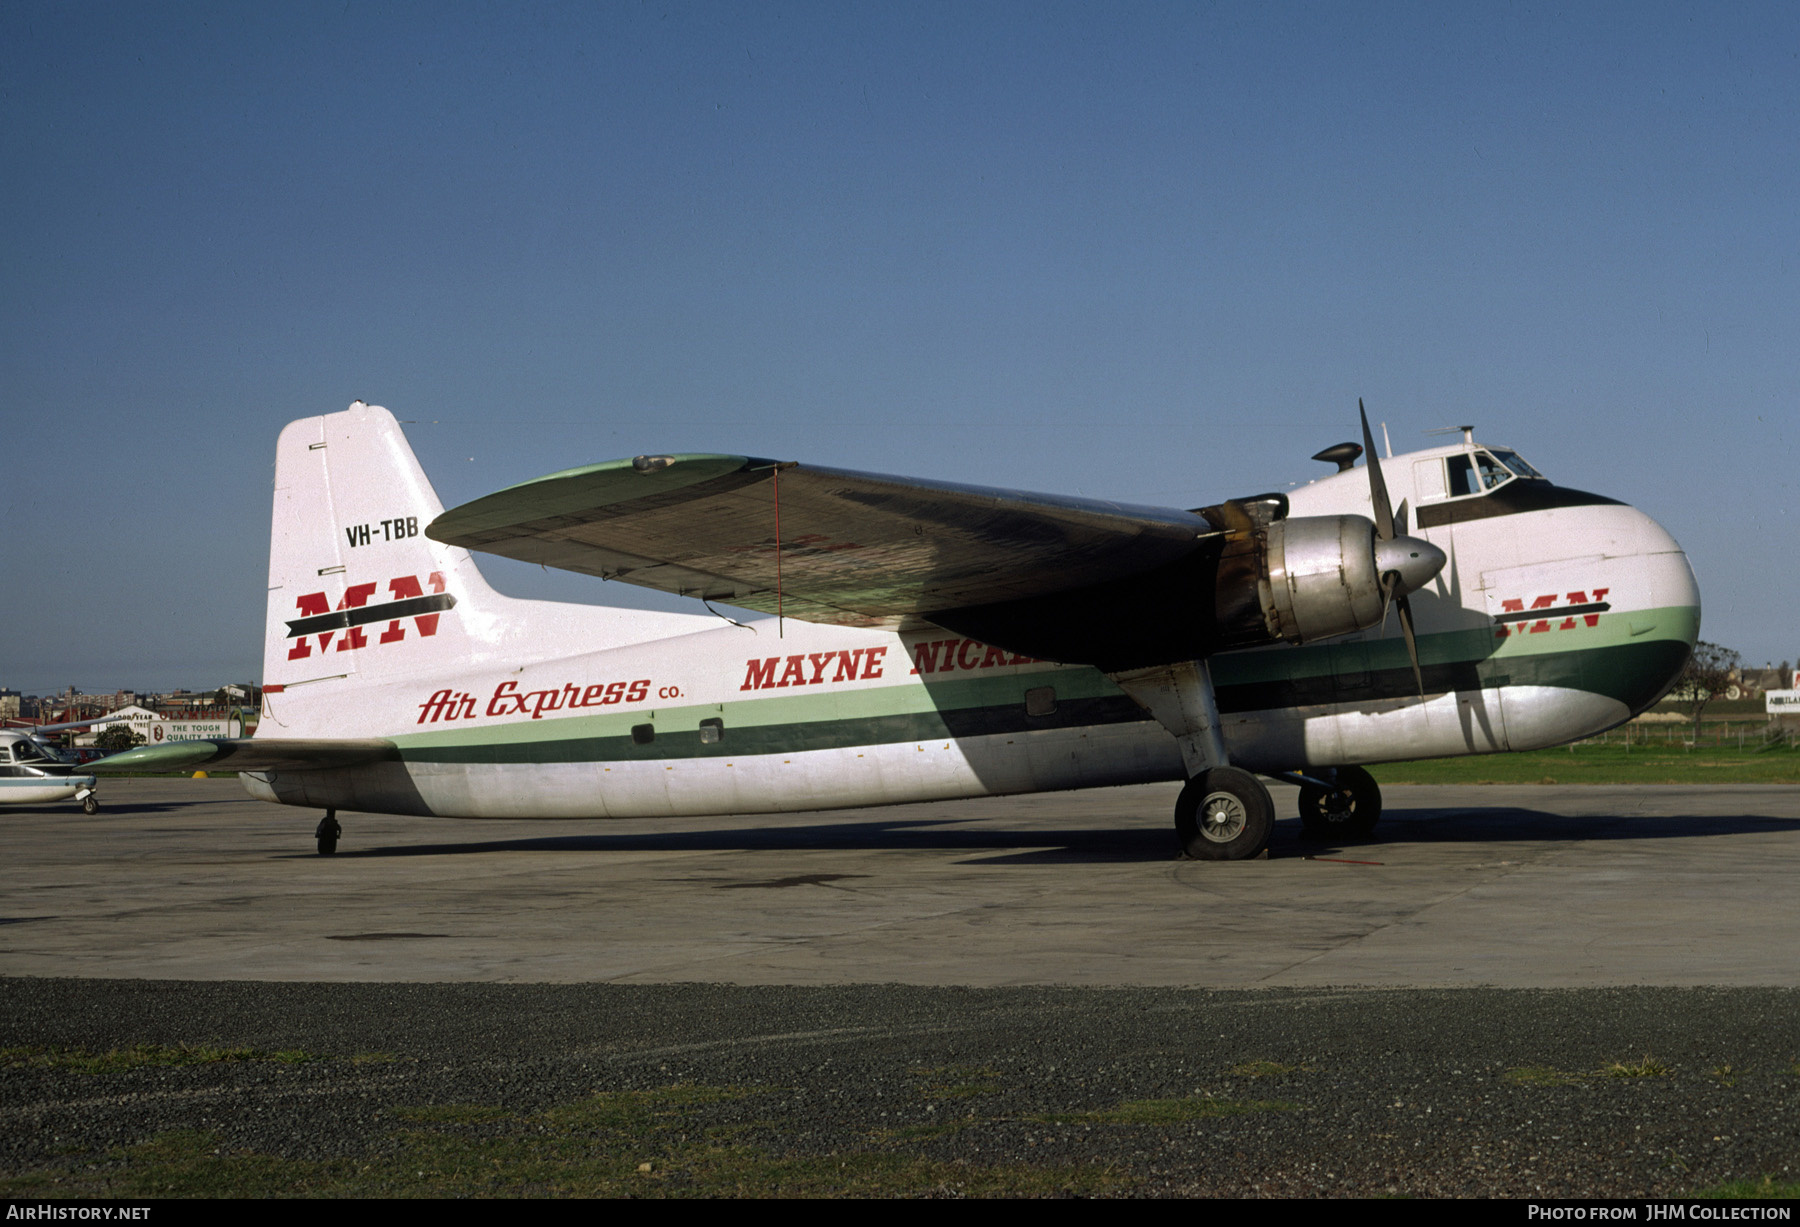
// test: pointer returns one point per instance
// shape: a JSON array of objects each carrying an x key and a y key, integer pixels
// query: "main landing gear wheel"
[
  {"x": 1347, "y": 811},
  {"x": 1224, "y": 815},
  {"x": 89, "y": 806}
]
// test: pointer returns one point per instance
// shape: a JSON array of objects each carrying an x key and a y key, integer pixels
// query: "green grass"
[
  {"x": 1541, "y": 1075},
  {"x": 662, "y": 1143},
  {"x": 140, "y": 1056},
  {"x": 453, "y": 1114},
  {"x": 1738, "y": 1190},
  {"x": 1612, "y": 762},
  {"x": 1647, "y": 1067},
  {"x": 1172, "y": 1111},
  {"x": 1656, "y": 755},
  {"x": 926, "y": 1133},
  {"x": 958, "y": 1081}
]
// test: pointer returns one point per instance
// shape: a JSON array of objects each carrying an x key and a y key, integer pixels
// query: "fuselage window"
[
  {"x": 712, "y": 731},
  {"x": 643, "y": 734},
  {"x": 1040, "y": 701},
  {"x": 1428, "y": 479}
]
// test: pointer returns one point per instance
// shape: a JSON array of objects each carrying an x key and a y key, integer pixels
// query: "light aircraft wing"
[
  {"x": 856, "y": 549},
  {"x": 247, "y": 754},
  {"x": 35, "y": 729}
]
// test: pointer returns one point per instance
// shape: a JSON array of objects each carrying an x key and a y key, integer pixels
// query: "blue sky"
[{"x": 1151, "y": 252}]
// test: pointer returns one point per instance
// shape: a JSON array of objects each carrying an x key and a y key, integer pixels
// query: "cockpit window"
[
  {"x": 1466, "y": 478},
  {"x": 28, "y": 752},
  {"x": 1516, "y": 463},
  {"x": 1479, "y": 472}
]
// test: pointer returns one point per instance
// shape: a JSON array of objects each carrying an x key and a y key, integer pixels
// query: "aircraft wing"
[
  {"x": 856, "y": 549},
  {"x": 35, "y": 729},
  {"x": 247, "y": 754}
]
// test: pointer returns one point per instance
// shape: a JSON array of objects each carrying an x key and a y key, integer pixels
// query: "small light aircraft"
[
  {"x": 932, "y": 641},
  {"x": 33, "y": 772}
]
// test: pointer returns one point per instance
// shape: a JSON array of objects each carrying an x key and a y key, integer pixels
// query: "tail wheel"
[
  {"x": 327, "y": 833},
  {"x": 1350, "y": 810},
  {"x": 1224, "y": 815}
]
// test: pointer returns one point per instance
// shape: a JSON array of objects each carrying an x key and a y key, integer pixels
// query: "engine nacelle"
[
  {"x": 1259, "y": 578},
  {"x": 1321, "y": 578},
  {"x": 1292, "y": 580}
]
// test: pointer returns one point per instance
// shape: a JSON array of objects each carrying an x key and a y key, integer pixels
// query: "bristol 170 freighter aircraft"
[{"x": 930, "y": 641}]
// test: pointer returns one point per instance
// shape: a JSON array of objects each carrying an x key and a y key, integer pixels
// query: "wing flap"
[{"x": 856, "y": 549}]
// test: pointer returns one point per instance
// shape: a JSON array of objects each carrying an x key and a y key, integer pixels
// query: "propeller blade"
[
  {"x": 1412, "y": 644},
  {"x": 1392, "y": 595},
  {"x": 1378, "y": 495}
]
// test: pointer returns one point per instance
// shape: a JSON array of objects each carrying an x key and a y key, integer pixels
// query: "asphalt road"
[{"x": 1517, "y": 991}]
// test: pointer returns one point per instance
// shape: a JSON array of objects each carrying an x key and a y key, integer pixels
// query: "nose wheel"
[
  {"x": 1349, "y": 810},
  {"x": 1224, "y": 814}
]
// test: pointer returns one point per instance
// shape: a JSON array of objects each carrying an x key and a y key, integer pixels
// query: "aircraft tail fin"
[{"x": 356, "y": 588}]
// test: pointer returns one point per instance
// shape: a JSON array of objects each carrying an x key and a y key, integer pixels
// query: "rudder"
[{"x": 356, "y": 588}]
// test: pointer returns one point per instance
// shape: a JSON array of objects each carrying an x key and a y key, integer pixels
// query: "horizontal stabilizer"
[
  {"x": 855, "y": 549},
  {"x": 248, "y": 754}
]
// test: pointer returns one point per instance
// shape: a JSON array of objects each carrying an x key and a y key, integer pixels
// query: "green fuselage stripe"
[{"x": 1633, "y": 671}]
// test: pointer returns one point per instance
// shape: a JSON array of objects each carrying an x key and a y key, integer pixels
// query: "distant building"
[{"x": 155, "y": 728}]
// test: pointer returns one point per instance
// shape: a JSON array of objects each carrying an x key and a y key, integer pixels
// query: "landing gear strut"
[
  {"x": 1348, "y": 810},
  {"x": 328, "y": 833},
  {"x": 1224, "y": 815}
]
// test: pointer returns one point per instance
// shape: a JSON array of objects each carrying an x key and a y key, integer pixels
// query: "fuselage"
[{"x": 1559, "y": 614}]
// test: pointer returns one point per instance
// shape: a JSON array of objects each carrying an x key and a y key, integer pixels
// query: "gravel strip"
[{"x": 1392, "y": 1091}]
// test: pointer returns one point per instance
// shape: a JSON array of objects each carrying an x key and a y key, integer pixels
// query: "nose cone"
[
  {"x": 1416, "y": 561},
  {"x": 1665, "y": 624},
  {"x": 1645, "y": 605}
]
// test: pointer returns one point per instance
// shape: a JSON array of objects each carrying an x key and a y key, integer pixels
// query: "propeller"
[{"x": 1399, "y": 549}]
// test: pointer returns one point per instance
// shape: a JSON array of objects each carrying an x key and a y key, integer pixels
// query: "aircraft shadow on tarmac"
[
  {"x": 1122, "y": 843},
  {"x": 1101, "y": 844},
  {"x": 63, "y": 809}
]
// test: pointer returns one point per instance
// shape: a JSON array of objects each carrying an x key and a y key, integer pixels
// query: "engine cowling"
[
  {"x": 1303, "y": 578},
  {"x": 1321, "y": 579}
]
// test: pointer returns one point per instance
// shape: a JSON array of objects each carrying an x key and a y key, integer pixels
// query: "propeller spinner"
[{"x": 1404, "y": 563}]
